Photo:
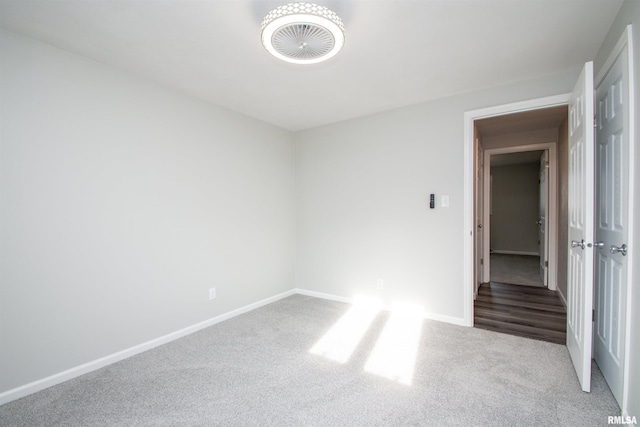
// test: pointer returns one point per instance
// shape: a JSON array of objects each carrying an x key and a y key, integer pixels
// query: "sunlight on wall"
[
  {"x": 395, "y": 352},
  {"x": 339, "y": 343}
]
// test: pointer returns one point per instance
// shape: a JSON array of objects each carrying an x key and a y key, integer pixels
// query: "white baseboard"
[
  {"x": 447, "y": 319},
  {"x": 61, "y": 377},
  {"x": 562, "y": 297},
  {"x": 323, "y": 296},
  {"x": 35, "y": 386},
  {"x": 497, "y": 251},
  {"x": 431, "y": 316}
]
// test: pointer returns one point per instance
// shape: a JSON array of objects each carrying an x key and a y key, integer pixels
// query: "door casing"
[
  {"x": 543, "y": 218},
  {"x": 478, "y": 270},
  {"x": 469, "y": 222}
]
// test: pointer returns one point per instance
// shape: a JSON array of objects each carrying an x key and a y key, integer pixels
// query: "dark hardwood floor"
[{"x": 525, "y": 311}]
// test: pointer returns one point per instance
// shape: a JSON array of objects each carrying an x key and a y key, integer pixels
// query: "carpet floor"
[
  {"x": 257, "y": 370},
  {"x": 515, "y": 269}
]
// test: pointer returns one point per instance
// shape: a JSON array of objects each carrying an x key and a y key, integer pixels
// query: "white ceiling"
[{"x": 397, "y": 52}]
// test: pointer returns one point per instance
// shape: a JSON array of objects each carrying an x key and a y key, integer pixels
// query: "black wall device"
[{"x": 432, "y": 201}]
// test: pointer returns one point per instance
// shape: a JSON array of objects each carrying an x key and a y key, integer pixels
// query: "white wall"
[
  {"x": 630, "y": 14},
  {"x": 121, "y": 203},
  {"x": 515, "y": 199},
  {"x": 362, "y": 194}
]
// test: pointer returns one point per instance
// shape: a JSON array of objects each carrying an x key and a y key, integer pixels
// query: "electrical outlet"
[
  {"x": 380, "y": 284},
  {"x": 212, "y": 293}
]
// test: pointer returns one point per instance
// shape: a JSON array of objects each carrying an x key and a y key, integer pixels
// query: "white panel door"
[
  {"x": 612, "y": 195},
  {"x": 581, "y": 189},
  {"x": 543, "y": 206}
]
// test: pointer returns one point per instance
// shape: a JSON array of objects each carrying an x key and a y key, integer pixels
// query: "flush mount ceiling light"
[{"x": 302, "y": 33}]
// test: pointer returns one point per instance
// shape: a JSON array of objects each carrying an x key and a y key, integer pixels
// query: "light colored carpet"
[
  {"x": 515, "y": 269},
  {"x": 256, "y": 369}
]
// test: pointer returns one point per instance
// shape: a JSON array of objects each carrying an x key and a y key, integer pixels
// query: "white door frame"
[
  {"x": 478, "y": 268},
  {"x": 468, "y": 229},
  {"x": 552, "y": 219}
]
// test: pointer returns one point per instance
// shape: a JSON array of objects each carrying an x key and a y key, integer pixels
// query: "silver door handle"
[
  {"x": 539, "y": 222},
  {"x": 619, "y": 249},
  {"x": 575, "y": 244},
  {"x": 598, "y": 245}
]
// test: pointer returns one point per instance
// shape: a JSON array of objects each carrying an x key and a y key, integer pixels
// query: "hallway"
[{"x": 516, "y": 269}]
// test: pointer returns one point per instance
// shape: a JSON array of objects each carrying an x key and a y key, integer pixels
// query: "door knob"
[
  {"x": 575, "y": 244},
  {"x": 619, "y": 249},
  {"x": 598, "y": 245},
  {"x": 539, "y": 222}
]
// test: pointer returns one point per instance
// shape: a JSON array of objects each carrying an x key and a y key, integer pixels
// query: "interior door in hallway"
[
  {"x": 612, "y": 196},
  {"x": 581, "y": 194}
]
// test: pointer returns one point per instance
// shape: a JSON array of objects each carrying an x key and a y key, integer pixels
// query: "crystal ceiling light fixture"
[{"x": 302, "y": 33}]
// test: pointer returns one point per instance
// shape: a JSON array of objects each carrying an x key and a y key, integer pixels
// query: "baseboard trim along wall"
[
  {"x": 498, "y": 251},
  {"x": 563, "y": 299},
  {"x": 35, "y": 386},
  {"x": 431, "y": 316},
  {"x": 322, "y": 295},
  {"x": 94, "y": 365}
]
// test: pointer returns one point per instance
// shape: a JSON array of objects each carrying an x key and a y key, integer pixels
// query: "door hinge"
[
  {"x": 546, "y": 263},
  {"x": 481, "y": 261},
  {"x": 595, "y": 121},
  {"x": 593, "y": 315}
]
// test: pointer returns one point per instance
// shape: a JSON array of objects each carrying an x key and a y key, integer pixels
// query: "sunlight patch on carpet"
[
  {"x": 394, "y": 355},
  {"x": 339, "y": 343}
]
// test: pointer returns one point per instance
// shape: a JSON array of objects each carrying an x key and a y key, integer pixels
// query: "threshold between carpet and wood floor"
[
  {"x": 260, "y": 368},
  {"x": 526, "y": 311}
]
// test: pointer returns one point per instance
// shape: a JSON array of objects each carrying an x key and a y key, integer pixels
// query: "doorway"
[
  {"x": 580, "y": 197},
  {"x": 518, "y": 212},
  {"x": 473, "y": 152},
  {"x": 517, "y": 216},
  {"x": 521, "y": 193}
]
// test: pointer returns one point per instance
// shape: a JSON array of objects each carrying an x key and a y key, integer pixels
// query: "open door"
[
  {"x": 581, "y": 193},
  {"x": 543, "y": 227},
  {"x": 612, "y": 221}
]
